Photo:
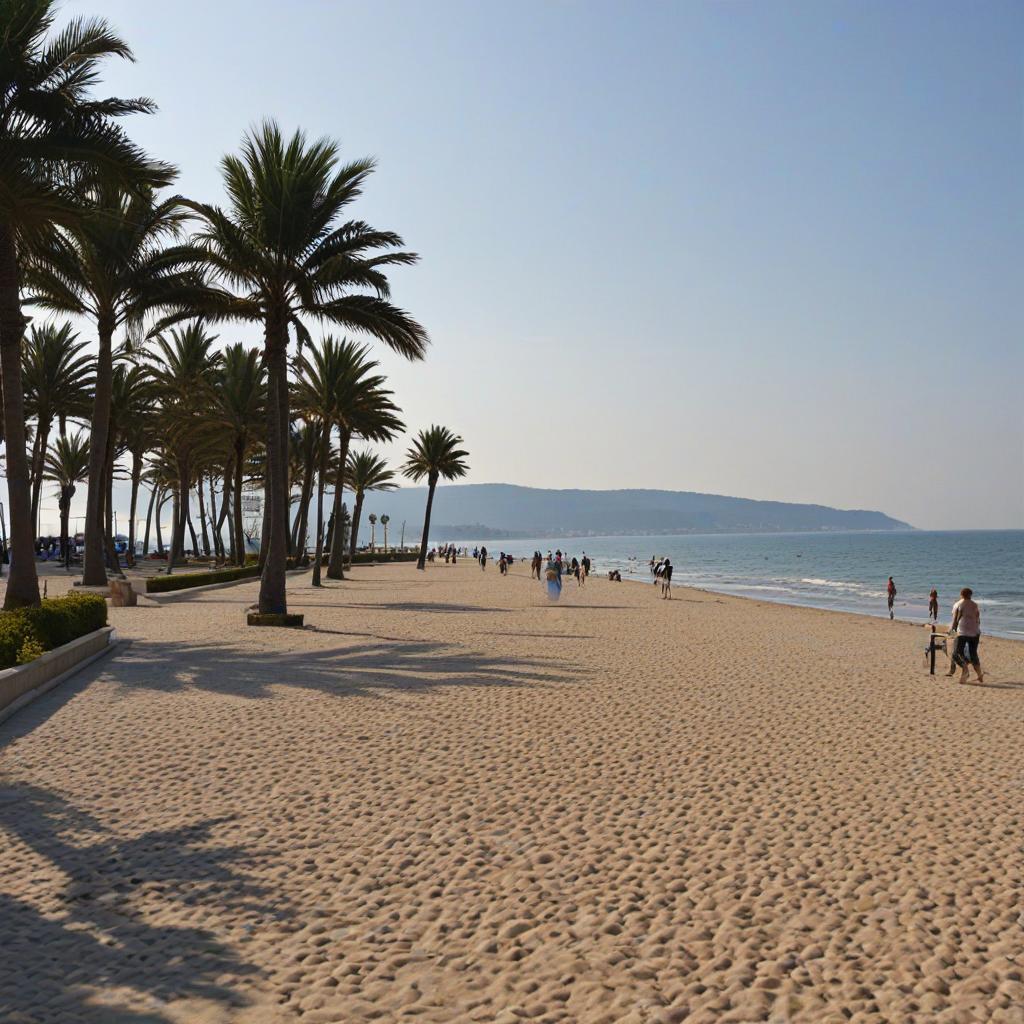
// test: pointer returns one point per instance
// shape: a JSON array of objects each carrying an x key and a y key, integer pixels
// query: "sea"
[{"x": 838, "y": 571}]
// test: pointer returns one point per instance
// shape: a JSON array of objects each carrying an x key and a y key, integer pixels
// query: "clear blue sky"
[{"x": 763, "y": 249}]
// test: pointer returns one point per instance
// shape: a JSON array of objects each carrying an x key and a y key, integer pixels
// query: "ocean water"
[{"x": 841, "y": 571}]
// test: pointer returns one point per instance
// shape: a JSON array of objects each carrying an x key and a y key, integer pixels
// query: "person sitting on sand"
[
  {"x": 967, "y": 626},
  {"x": 666, "y": 578},
  {"x": 615, "y": 576},
  {"x": 933, "y": 606}
]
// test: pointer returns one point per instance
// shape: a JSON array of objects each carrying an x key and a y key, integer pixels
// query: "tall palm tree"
[
  {"x": 239, "y": 407},
  {"x": 435, "y": 453},
  {"x": 337, "y": 387},
  {"x": 56, "y": 141},
  {"x": 366, "y": 472},
  {"x": 132, "y": 426},
  {"x": 282, "y": 253},
  {"x": 365, "y": 410},
  {"x": 113, "y": 266},
  {"x": 185, "y": 368},
  {"x": 57, "y": 382},
  {"x": 66, "y": 463}
]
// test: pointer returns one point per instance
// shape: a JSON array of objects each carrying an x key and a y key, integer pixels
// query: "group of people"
[
  {"x": 449, "y": 551},
  {"x": 557, "y": 565},
  {"x": 965, "y": 628}
]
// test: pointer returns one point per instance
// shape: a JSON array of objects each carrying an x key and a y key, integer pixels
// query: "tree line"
[{"x": 88, "y": 229}]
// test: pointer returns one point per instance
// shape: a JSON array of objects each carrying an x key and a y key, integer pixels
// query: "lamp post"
[{"x": 384, "y": 520}]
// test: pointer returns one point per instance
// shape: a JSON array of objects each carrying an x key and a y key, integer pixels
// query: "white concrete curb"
[{"x": 23, "y": 683}]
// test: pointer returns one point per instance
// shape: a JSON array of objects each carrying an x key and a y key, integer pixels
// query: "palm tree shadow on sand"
[
  {"x": 100, "y": 937},
  {"x": 362, "y": 669}
]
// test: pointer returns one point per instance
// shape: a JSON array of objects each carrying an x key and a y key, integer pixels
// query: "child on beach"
[
  {"x": 967, "y": 626},
  {"x": 891, "y": 591},
  {"x": 933, "y": 606},
  {"x": 666, "y": 578}
]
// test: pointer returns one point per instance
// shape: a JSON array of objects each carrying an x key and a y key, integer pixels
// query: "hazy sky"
[{"x": 763, "y": 249}]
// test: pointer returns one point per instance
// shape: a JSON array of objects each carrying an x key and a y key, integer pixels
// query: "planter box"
[
  {"x": 23, "y": 683},
  {"x": 287, "y": 619}
]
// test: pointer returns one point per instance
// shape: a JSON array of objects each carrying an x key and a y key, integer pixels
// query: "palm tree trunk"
[
  {"x": 202, "y": 518},
  {"x": 149, "y": 520},
  {"x": 215, "y": 523},
  {"x": 238, "y": 549},
  {"x": 336, "y": 563},
  {"x": 265, "y": 525},
  {"x": 134, "y": 503},
  {"x": 108, "y": 533},
  {"x": 273, "y": 594},
  {"x": 65, "y": 513},
  {"x": 357, "y": 512},
  {"x": 159, "y": 512},
  {"x": 192, "y": 531},
  {"x": 36, "y": 470},
  {"x": 178, "y": 516},
  {"x": 422, "y": 563},
  {"x": 321, "y": 476},
  {"x": 93, "y": 572},
  {"x": 22, "y": 582},
  {"x": 302, "y": 514}
]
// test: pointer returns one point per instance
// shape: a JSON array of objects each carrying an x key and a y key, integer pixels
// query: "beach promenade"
[{"x": 449, "y": 800}]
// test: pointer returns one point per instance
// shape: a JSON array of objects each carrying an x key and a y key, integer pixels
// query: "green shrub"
[
  {"x": 362, "y": 557},
  {"x": 185, "y": 580},
  {"x": 14, "y": 630},
  {"x": 26, "y": 633},
  {"x": 30, "y": 650}
]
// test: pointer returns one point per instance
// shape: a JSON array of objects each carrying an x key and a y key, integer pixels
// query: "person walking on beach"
[
  {"x": 967, "y": 626},
  {"x": 535, "y": 565},
  {"x": 891, "y": 591},
  {"x": 666, "y": 578},
  {"x": 933, "y": 606},
  {"x": 483, "y": 559}
]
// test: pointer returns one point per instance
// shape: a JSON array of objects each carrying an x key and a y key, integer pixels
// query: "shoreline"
[{"x": 940, "y": 625}]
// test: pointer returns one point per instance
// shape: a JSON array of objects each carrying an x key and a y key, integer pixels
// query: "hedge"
[
  {"x": 184, "y": 580},
  {"x": 25, "y": 633},
  {"x": 385, "y": 556}
]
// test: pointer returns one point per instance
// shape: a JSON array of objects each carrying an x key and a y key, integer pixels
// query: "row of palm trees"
[
  {"x": 187, "y": 417},
  {"x": 86, "y": 229}
]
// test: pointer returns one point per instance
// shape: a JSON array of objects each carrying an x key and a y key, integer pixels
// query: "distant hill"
[{"x": 508, "y": 511}]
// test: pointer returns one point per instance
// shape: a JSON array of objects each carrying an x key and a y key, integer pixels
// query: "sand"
[{"x": 449, "y": 800}]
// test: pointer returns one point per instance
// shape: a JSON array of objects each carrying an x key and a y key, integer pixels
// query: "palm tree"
[
  {"x": 283, "y": 253},
  {"x": 366, "y": 472},
  {"x": 56, "y": 141},
  {"x": 366, "y": 411},
  {"x": 372, "y": 517},
  {"x": 57, "y": 381},
  {"x": 435, "y": 453},
  {"x": 239, "y": 407},
  {"x": 66, "y": 463},
  {"x": 113, "y": 266},
  {"x": 184, "y": 368},
  {"x": 132, "y": 425}
]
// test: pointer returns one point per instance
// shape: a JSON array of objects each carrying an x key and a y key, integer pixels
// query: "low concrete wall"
[{"x": 24, "y": 683}]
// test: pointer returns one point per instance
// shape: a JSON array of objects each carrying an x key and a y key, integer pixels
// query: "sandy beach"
[{"x": 449, "y": 800}]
